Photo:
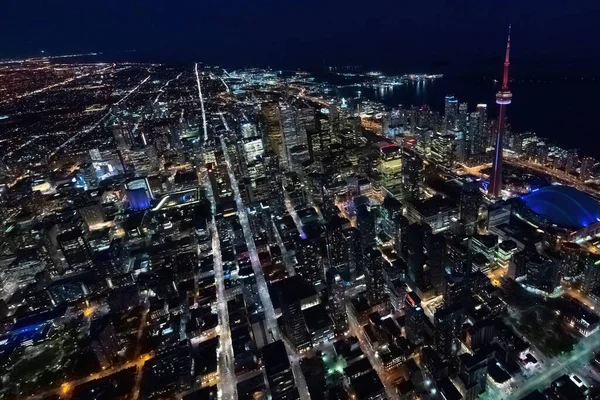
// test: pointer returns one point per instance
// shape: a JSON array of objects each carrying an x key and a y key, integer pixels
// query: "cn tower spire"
[
  {"x": 506, "y": 62},
  {"x": 503, "y": 98}
]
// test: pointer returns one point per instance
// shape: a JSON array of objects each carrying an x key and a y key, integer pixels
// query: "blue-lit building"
[{"x": 561, "y": 208}]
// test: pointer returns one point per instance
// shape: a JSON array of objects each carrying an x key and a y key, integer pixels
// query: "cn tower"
[{"x": 503, "y": 98}]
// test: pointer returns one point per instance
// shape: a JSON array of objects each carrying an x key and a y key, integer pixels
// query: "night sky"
[{"x": 402, "y": 35}]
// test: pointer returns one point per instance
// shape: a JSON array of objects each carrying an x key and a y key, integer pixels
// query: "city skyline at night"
[{"x": 241, "y": 202}]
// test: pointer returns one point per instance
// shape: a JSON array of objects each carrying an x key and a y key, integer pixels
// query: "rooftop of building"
[{"x": 317, "y": 318}]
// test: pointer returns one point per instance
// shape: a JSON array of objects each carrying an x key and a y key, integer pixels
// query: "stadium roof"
[{"x": 564, "y": 206}]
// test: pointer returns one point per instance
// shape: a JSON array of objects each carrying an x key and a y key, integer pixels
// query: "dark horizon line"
[{"x": 485, "y": 65}]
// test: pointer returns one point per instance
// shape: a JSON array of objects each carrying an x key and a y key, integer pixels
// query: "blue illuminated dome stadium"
[{"x": 564, "y": 206}]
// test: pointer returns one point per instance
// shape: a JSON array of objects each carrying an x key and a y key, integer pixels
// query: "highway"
[
  {"x": 271, "y": 320},
  {"x": 201, "y": 103},
  {"x": 558, "y": 175}
]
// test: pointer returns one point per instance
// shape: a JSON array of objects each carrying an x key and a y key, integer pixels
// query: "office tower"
[
  {"x": 365, "y": 222},
  {"x": 572, "y": 160},
  {"x": 436, "y": 371},
  {"x": 168, "y": 372},
  {"x": 248, "y": 130},
  {"x": 435, "y": 251},
  {"x": 120, "y": 255},
  {"x": 458, "y": 256},
  {"x": 480, "y": 335},
  {"x": 90, "y": 179},
  {"x": 447, "y": 323},
  {"x": 400, "y": 237},
  {"x": 591, "y": 274},
  {"x": 456, "y": 289},
  {"x": 414, "y": 319},
  {"x": 353, "y": 247},
  {"x": 306, "y": 118},
  {"x": 412, "y": 174},
  {"x": 309, "y": 253},
  {"x": 390, "y": 211},
  {"x": 463, "y": 117},
  {"x": 570, "y": 254},
  {"x": 334, "y": 120},
  {"x": 294, "y": 136},
  {"x": 337, "y": 302},
  {"x": 473, "y": 371},
  {"x": 503, "y": 98},
  {"x": 470, "y": 200},
  {"x": 276, "y": 197},
  {"x": 543, "y": 272},
  {"x": 337, "y": 253},
  {"x": 278, "y": 371},
  {"x": 104, "y": 341},
  {"x": 450, "y": 112},
  {"x": 461, "y": 152},
  {"x": 253, "y": 148},
  {"x": 293, "y": 320},
  {"x": 375, "y": 279},
  {"x": 443, "y": 147},
  {"x": 587, "y": 166},
  {"x": 75, "y": 250},
  {"x": 506, "y": 250},
  {"x": 478, "y": 137},
  {"x": 486, "y": 245},
  {"x": 390, "y": 168},
  {"x": 271, "y": 121},
  {"x": 415, "y": 257}
]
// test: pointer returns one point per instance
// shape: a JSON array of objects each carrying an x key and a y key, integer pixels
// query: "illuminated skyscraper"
[
  {"x": 271, "y": 122},
  {"x": 412, "y": 174},
  {"x": 447, "y": 322},
  {"x": 478, "y": 137},
  {"x": 503, "y": 98},
  {"x": 415, "y": 318},
  {"x": 365, "y": 221},
  {"x": 463, "y": 117},
  {"x": 375, "y": 280},
  {"x": 450, "y": 112},
  {"x": 442, "y": 149},
  {"x": 294, "y": 137},
  {"x": 470, "y": 199},
  {"x": 572, "y": 160},
  {"x": 390, "y": 168},
  {"x": 337, "y": 302}
]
